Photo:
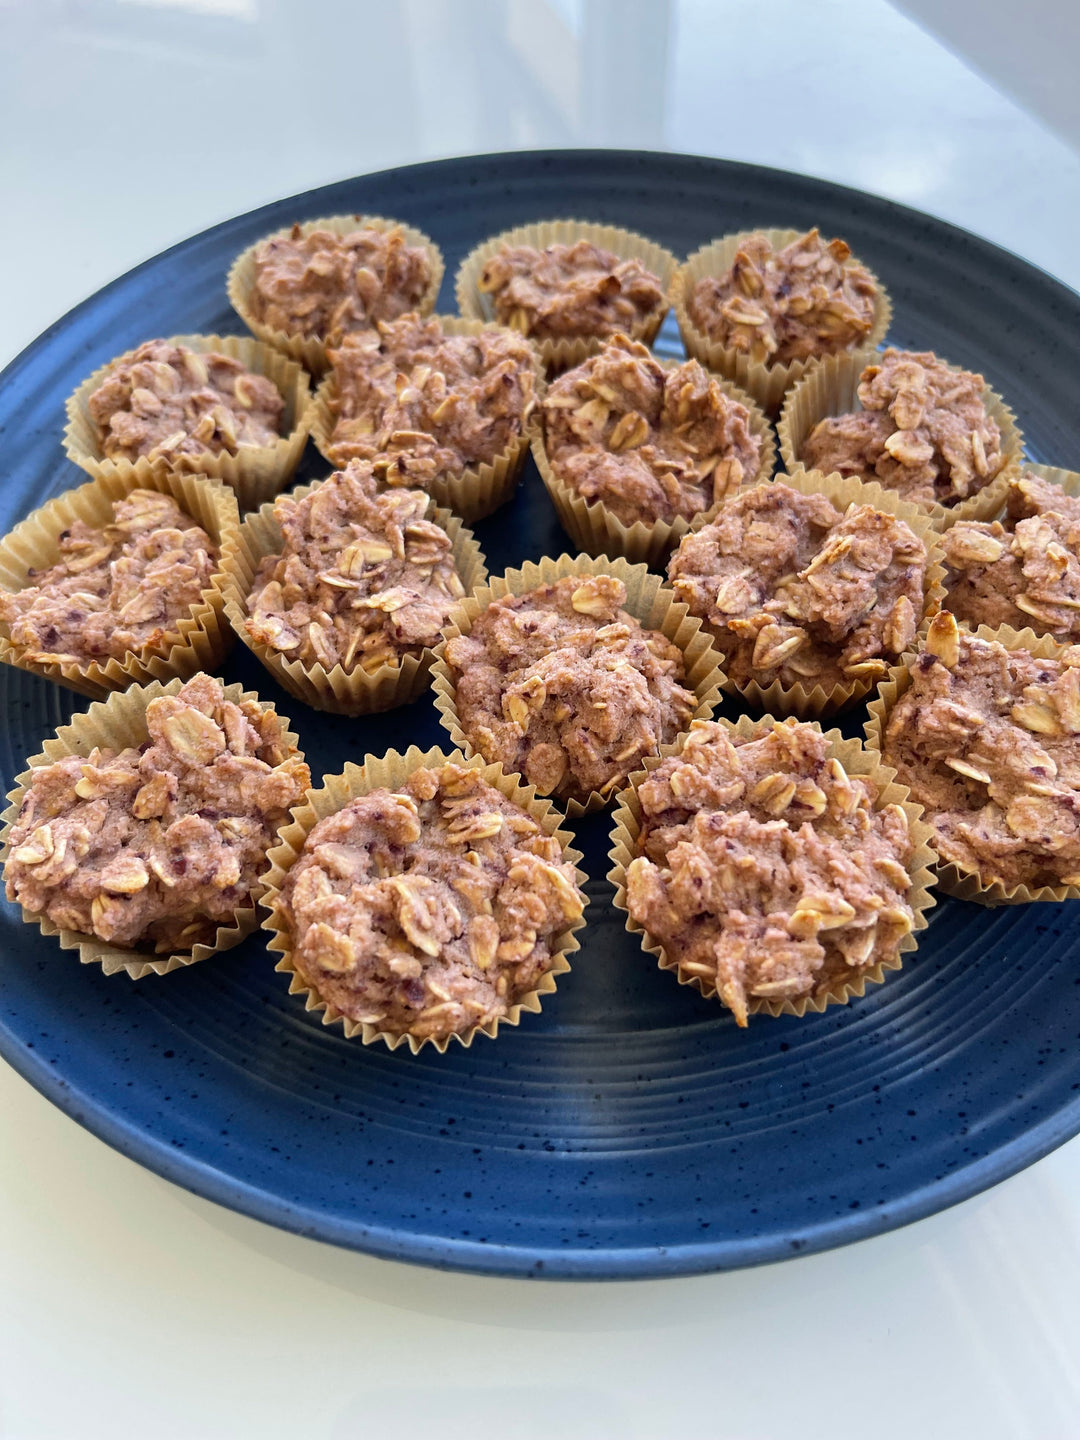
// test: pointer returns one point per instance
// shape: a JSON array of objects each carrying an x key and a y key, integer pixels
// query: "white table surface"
[{"x": 128, "y": 1307}]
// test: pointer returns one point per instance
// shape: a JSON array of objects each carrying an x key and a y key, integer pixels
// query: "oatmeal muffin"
[
  {"x": 320, "y": 283},
  {"x": 563, "y": 686},
  {"x": 1023, "y": 569},
  {"x": 646, "y": 442},
  {"x": 796, "y": 591},
  {"x": 429, "y": 910},
  {"x": 778, "y": 306},
  {"x": 165, "y": 401},
  {"x": 362, "y": 578},
  {"x": 424, "y": 404},
  {"x": 113, "y": 590},
  {"x": 569, "y": 291},
  {"x": 987, "y": 738},
  {"x": 924, "y": 431},
  {"x": 158, "y": 845},
  {"x": 767, "y": 871}
]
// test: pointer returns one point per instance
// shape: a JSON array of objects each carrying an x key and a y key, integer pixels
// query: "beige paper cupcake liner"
[
  {"x": 255, "y": 472},
  {"x": 767, "y": 383},
  {"x": 200, "y": 640},
  {"x": 594, "y": 529},
  {"x": 652, "y": 604},
  {"x": 856, "y": 760},
  {"x": 390, "y": 771},
  {"x": 475, "y": 492},
  {"x": 830, "y": 387},
  {"x": 811, "y": 701},
  {"x": 116, "y": 724},
  {"x": 561, "y": 354},
  {"x": 309, "y": 350},
  {"x": 954, "y": 880},
  {"x": 339, "y": 691}
]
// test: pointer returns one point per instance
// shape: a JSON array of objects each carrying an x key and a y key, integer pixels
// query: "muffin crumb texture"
[
  {"x": 796, "y": 591},
  {"x": 429, "y": 910},
  {"x": 988, "y": 741},
  {"x": 420, "y": 404},
  {"x": 566, "y": 291},
  {"x": 764, "y": 869},
  {"x": 327, "y": 285},
  {"x": 362, "y": 578},
  {"x": 648, "y": 443},
  {"x": 779, "y": 306},
  {"x": 168, "y": 401},
  {"x": 923, "y": 431},
  {"x": 1023, "y": 569},
  {"x": 565, "y": 687},
  {"x": 115, "y": 590},
  {"x": 158, "y": 845}
]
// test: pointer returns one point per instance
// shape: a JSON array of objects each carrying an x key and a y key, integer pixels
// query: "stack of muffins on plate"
[{"x": 907, "y": 557}]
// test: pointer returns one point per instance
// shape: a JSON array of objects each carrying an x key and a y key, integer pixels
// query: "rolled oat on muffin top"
[
  {"x": 647, "y": 442},
  {"x": 166, "y": 401},
  {"x": 797, "y": 591},
  {"x": 429, "y": 910},
  {"x": 567, "y": 291},
  {"x": 1023, "y": 569},
  {"x": 114, "y": 590},
  {"x": 765, "y": 869},
  {"x": 924, "y": 431},
  {"x": 363, "y": 578},
  {"x": 421, "y": 404},
  {"x": 988, "y": 740},
  {"x": 777, "y": 306},
  {"x": 325, "y": 284},
  {"x": 158, "y": 845},
  {"x": 566, "y": 688}
]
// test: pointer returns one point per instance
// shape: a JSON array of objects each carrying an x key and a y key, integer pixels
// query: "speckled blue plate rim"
[{"x": 439, "y": 1250}]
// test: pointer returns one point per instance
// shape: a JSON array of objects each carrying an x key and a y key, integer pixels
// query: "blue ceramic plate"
[{"x": 630, "y": 1129}]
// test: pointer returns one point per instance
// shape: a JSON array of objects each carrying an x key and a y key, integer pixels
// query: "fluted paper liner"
[
  {"x": 339, "y": 691},
  {"x": 199, "y": 640},
  {"x": 648, "y": 599},
  {"x": 391, "y": 771},
  {"x": 767, "y": 383},
  {"x": 116, "y": 724},
  {"x": 310, "y": 350},
  {"x": 952, "y": 878},
  {"x": 805, "y": 699},
  {"x": 830, "y": 387},
  {"x": 472, "y": 493},
  {"x": 255, "y": 472},
  {"x": 595, "y": 529},
  {"x": 560, "y": 354},
  {"x": 856, "y": 760}
]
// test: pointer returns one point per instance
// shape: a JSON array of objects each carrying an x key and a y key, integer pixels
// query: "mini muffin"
[
  {"x": 798, "y": 591},
  {"x": 569, "y": 291},
  {"x": 114, "y": 590},
  {"x": 766, "y": 871},
  {"x": 324, "y": 284},
  {"x": 648, "y": 443},
  {"x": 777, "y": 306},
  {"x": 924, "y": 431},
  {"x": 563, "y": 686},
  {"x": 166, "y": 401},
  {"x": 430, "y": 910},
  {"x": 157, "y": 845},
  {"x": 425, "y": 404},
  {"x": 1023, "y": 569},
  {"x": 987, "y": 738},
  {"x": 362, "y": 578}
]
